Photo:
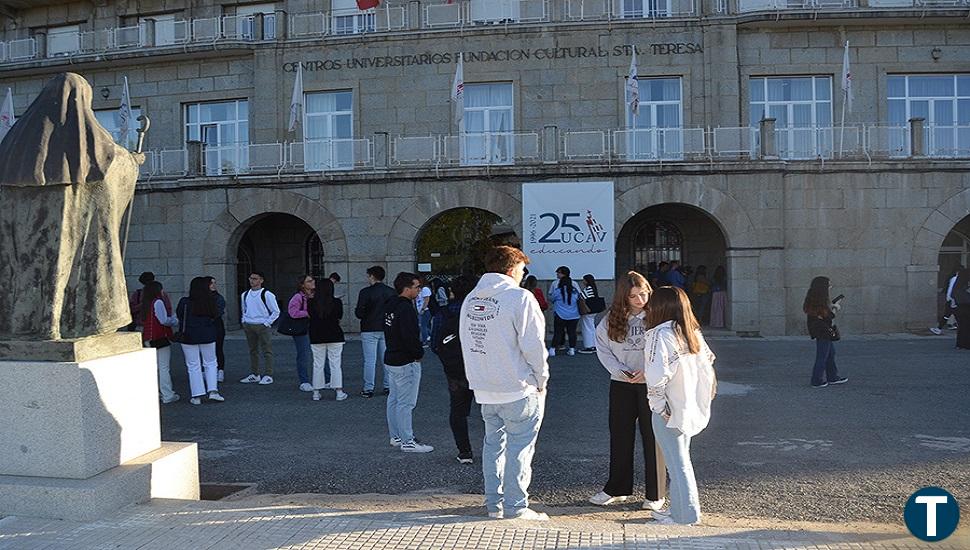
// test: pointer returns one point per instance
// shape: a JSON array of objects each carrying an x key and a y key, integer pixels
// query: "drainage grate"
[{"x": 219, "y": 491}]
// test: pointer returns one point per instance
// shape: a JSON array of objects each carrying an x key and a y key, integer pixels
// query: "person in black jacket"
[
  {"x": 446, "y": 343},
  {"x": 402, "y": 362},
  {"x": 326, "y": 339},
  {"x": 820, "y": 312},
  {"x": 197, "y": 316},
  {"x": 370, "y": 311}
]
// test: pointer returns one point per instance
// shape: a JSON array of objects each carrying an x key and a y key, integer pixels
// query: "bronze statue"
[{"x": 64, "y": 188}]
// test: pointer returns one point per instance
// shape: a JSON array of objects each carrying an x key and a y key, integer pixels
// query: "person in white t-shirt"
[{"x": 679, "y": 370}]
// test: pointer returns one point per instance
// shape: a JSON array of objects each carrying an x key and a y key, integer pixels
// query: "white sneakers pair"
[
  {"x": 341, "y": 395},
  {"x": 213, "y": 396},
  {"x": 603, "y": 499},
  {"x": 265, "y": 380},
  {"x": 570, "y": 351},
  {"x": 413, "y": 446},
  {"x": 525, "y": 513}
]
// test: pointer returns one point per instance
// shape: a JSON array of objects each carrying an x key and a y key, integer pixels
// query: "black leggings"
[
  {"x": 461, "y": 405},
  {"x": 628, "y": 405},
  {"x": 562, "y": 327}
]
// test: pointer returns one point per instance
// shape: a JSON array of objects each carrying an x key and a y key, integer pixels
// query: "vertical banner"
[{"x": 569, "y": 224}]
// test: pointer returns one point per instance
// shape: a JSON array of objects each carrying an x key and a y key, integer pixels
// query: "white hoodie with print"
[{"x": 502, "y": 333}]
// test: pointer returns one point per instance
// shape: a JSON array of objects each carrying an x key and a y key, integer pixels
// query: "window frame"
[
  {"x": 954, "y": 132},
  {"x": 498, "y": 148},
  {"x": 329, "y": 144},
  {"x": 221, "y": 157},
  {"x": 788, "y": 138}
]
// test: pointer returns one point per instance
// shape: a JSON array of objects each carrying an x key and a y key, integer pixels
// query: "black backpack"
[{"x": 448, "y": 344}]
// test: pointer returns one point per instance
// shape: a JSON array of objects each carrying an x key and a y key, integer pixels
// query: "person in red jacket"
[
  {"x": 157, "y": 320},
  {"x": 532, "y": 285}
]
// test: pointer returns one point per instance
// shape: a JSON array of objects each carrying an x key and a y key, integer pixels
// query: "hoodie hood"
[{"x": 492, "y": 284}]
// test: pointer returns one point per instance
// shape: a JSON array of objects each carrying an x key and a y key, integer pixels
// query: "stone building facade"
[{"x": 737, "y": 156}]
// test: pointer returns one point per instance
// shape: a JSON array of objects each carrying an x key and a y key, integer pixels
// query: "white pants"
[
  {"x": 589, "y": 330},
  {"x": 207, "y": 352},
  {"x": 321, "y": 354},
  {"x": 163, "y": 358}
]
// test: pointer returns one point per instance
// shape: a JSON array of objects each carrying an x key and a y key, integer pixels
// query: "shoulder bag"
[
  {"x": 179, "y": 334},
  {"x": 293, "y": 327}
]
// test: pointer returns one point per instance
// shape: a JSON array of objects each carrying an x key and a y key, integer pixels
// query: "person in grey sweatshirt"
[
  {"x": 619, "y": 346},
  {"x": 501, "y": 329}
]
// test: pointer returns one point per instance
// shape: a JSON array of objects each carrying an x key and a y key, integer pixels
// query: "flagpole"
[
  {"x": 846, "y": 90},
  {"x": 845, "y": 100}
]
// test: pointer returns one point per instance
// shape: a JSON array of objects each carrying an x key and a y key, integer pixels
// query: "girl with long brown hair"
[
  {"x": 819, "y": 313},
  {"x": 680, "y": 387},
  {"x": 326, "y": 339},
  {"x": 619, "y": 346}
]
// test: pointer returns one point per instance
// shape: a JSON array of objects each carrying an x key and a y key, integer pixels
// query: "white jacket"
[
  {"x": 679, "y": 382},
  {"x": 627, "y": 355},
  {"x": 502, "y": 334}
]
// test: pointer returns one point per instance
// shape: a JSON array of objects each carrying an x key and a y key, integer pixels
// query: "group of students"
[{"x": 574, "y": 304}]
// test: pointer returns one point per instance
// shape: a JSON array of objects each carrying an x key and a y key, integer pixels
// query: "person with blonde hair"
[
  {"x": 680, "y": 387},
  {"x": 619, "y": 346}
]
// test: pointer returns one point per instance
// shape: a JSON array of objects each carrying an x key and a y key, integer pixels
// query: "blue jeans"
[
  {"x": 511, "y": 430},
  {"x": 405, "y": 383},
  {"x": 424, "y": 322},
  {"x": 825, "y": 369},
  {"x": 685, "y": 503},
  {"x": 374, "y": 347},
  {"x": 304, "y": 358}
]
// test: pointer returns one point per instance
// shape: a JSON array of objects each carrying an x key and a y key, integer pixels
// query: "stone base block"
[
  {"x": 76, "y": 420},
  {"x": 172, "y": 471},
  {"x": 73, "y": 350}
]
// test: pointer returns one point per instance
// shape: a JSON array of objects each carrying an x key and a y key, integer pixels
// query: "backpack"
[{"x": 448, "y": 344}]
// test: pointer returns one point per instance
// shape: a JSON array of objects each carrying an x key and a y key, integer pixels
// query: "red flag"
[{"x": 367, "y": 4}]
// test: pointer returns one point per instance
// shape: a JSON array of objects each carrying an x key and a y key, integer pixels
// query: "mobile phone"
[
  {"x": 838, "y": 298},
  {"x": 629, "y": 374}
]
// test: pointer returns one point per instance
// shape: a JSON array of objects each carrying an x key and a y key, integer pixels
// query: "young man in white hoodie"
[{"x": 501, "y": 329}]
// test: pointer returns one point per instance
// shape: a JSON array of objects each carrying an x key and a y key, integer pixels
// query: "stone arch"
[
  {"x": 407, "y": 226},
  {"x": 731, "y": 218},
  {"x": 936, "y": 226}
]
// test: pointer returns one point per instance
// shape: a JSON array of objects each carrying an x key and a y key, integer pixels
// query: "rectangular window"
[
  {"x": 109, "y": 119},
  {"x": 802, "y": 109},
  {"x": 348, "y": 19},
  {"x": 168, "y": 29},
  {"x": 487, "y": 126},
  {"x": 64, "y": 40},
  {"x": 943, "y": 101},
  {"x": 328, "y": 131},
  {"x": 223, "y": 129},
  {"x": 644, "y": 8},
  {"x": 656, "y": 132},
  {"x": 241, "y": 25},
  {"x": 495, "y": 11}
]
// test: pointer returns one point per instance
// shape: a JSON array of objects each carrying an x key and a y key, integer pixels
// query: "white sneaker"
[
  {"x": 603, "y": 499},
  {"x": 654, "y": 505},
  {"x": 316, "y": 395},
  {"x": 341, "y": 395},
  {"x": 266, "y": 380},
  {"x": 251, "y": 379},
  {"x": 221, "y": 376},
  {"x": 175, "y": 397},
  {"x": 936, "y": 331},
  {"x": 395, "y": 442},
  {"x": 664, "y": 519},
  {"x": 552, "y": 352},
  {"x": 414, "y": 446},
  {"x": 571, "y": 351},
  {"x": 195, "y": 401},
  {"x": 530, "y": 514},
  {"x": 497, "y": 515},
  {"x": 306, "y": 387},
  {"x": 214, "y": 396}
]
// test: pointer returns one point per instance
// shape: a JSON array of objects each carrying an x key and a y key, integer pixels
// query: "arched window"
[
  {"x": 314, "y": 256},
  {"x": 657, "y": 241}
]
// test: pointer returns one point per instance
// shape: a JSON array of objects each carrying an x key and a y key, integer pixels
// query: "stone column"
[
  {"x": 40, "y": 39},
  {"x": 193, "y": 158},
  {"x": 148, "y": 37},
  {"x": 282, "y": 26},
  {"x": 258, "y": 28},
  {"x": 550, "y": 144},
  {"x": 382, "y": 150},
  {"x": 743, "y": 291},
  {"x": 766, "y": 129},
  {"x": 414, "y": 15},
  {"x": 917, "y": 147}
]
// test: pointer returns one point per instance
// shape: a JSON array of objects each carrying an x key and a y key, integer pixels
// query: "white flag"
[
  {"x": 847, "y": 78},
  {"x": 296, "y": 104},
  {"x": 124, "y": 113},
  {"x": 633, "y": 86},
  {"x": 6, "y": 115},
  {"x": 458, "y": 91}
]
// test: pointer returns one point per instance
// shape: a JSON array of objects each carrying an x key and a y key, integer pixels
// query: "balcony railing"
[
  {"x": 485, "y": 12},
  {"x": 746, "y": 6},
  {"x": 593, "y": 10},
  {"x": 348, "y": 21}
]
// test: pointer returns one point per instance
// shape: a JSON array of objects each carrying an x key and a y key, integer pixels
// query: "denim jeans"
[
  {"x": 424, "y": 323},
  {"x": 373, "y": 347},
  {"x": 303, "y": 357},
  {"x": 511, "y": 430},
  {"x": 685, "y": 503},
  {"x": 825, "y": 369},
  {"x": 405, "y": 383}
]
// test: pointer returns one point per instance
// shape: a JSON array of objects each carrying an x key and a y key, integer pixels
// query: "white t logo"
[{"x": 931, "y": 503}]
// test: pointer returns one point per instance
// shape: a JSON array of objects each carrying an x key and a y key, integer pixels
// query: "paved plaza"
[{"x": 782, "y": 465}]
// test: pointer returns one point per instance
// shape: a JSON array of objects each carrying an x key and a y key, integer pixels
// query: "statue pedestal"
[{"x": 82, "y": 438}]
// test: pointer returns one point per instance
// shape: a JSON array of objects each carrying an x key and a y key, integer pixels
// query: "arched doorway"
[
  {"x": 453, "y": 242},
  {"x": 668, "y": 232},
  {"x": 281, "y": 246}
]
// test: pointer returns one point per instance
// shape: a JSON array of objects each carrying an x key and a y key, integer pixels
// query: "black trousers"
[
  {"x": 963, "y": 326},
  {"x": 562, "y": 327},
  {"x": 220, "y": 344},
  {"x": 628, "y": 404},
  {"x": 461, "y": 406}
]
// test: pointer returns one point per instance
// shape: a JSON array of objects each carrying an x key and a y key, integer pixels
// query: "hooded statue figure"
[{"x": 64, "y": 188}]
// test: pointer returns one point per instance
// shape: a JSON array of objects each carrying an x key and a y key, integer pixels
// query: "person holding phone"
[
  {"x": 619, "y": 347},
  {"x": 820, "y": 314}
]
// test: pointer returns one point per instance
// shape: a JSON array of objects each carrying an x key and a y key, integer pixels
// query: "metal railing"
[
  {"x": 414, "y": 150},
  {"x": 747, "y": 6},
  {"x": 658, "y": 144},
  {"x": 490, "y": 148},
  {"x": 486, "y": 12},
  {"x": 594, "y": 10}
]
